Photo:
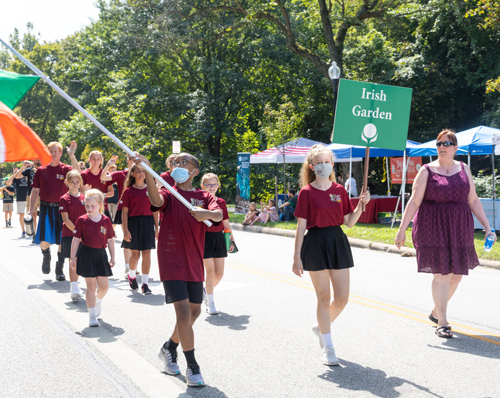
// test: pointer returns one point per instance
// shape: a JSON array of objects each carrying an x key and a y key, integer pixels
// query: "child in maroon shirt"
[
  {"x": 71, "y": 207},
  {"x": 94, "y": 231},
  {"x": 180, "y": 257},
  {"x": 322, "y": 207}
]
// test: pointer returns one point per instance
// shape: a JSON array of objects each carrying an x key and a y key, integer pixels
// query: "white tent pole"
[
  {"x": 494, "y": 196},
  {"x": 388, "y": 175},
  {"x": 350, "y": 173},
  {"x": 100, "y": 127},
  {"x": 405, "y": 162}
]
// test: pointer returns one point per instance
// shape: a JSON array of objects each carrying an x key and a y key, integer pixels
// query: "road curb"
[{"x": 360, "y": 243}]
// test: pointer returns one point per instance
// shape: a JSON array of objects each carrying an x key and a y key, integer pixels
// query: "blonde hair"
[
  {"x": 54, "y": 143},
  {"x": 73, "y": 173},
  {"x": 98, "y": 196},
  {"x": 306, "y": 174},
  {"x": 208, "y": 176},
  {"x": 96, "y": 153},
  {"x": 252, "y": 203}
]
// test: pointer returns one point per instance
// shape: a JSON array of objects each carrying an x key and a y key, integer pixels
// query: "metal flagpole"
[{"x": 100, "y": 127}]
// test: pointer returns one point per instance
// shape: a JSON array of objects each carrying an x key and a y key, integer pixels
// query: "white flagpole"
[{"x": 100, "y": 127}]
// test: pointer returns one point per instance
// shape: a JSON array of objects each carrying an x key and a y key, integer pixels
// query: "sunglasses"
[{"x": 444, "y": 143}]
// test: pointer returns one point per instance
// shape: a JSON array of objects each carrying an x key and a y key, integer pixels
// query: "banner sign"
[
  {"x": 373, "y": 115},
  {"x": 397, "y": 170},
  {"x": 243, "y": 183}
]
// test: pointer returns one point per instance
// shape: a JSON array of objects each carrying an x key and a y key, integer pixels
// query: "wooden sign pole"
[{"x": 365, "y": 177}]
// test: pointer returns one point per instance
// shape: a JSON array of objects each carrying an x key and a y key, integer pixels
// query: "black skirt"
[
  {"x": 118, "y": 217},
  {"x": 215, "y": 245},
  {"x": 66, "y": 246},
  {"x": 142, "y": 229},
  {"x": 92, "y": 262},
  {"x": 326, "y": 248}
]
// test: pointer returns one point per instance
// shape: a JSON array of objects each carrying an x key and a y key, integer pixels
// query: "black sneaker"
[
  {"x": 145, "y": 289},
  {"x": 59, "y": 271},
  {"x": 133, "y": 283},
  {"x": 10, "y": 223},
  {"x": 23, "y": 235},
  {"x": 46, "y": 264}
]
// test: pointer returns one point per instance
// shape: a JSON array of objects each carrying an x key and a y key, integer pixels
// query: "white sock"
[
  {"x": 92, "y": 312},
  {"x": 127, "y": 268},
  {"x": 145, "y": 279},
  {"x": 97, "y": 300},
  {"x": 327, "y": 339},
  {"x": 74, "y": 286},
  {"x": 131, "y": 273},
  {"x": 210, "y": 299}
]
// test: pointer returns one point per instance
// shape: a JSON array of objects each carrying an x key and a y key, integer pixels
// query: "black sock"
[
  {"x": 170, "y": 345},
  {"x": 46, "y": 252},
  {"x": 191, "y": 361},
  {"x": 60, "y": 257}
]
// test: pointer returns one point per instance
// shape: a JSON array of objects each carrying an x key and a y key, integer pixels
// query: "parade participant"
[
  {"x": 118, "y": 177},
  {"x": 8, "y": 202},
  {"x": 20, "y": 183},
  {"x": 82, "y": 166},
  {"x": 71, "y": 207},
  {"x": 29, "y": 173},
  {"x": 323, "y": 206},
  {"x": 92, "y": 179},
  {"x": 442, "y": 199},
  {"x": 113, "y": 201},
  {"x": 180, "y": 257},
  {"x": 215, "y": 244},
  {"x": 48, "y": 183},
  {"x": 94, "y": 231},
  {"x": 140, "y": 226},
  {"x": 166, "y": 175}
]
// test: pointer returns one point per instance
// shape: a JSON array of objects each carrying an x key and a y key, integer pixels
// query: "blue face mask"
[{"x": 181, "y": 175}]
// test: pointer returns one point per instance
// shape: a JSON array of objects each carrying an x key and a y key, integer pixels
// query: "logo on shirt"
[
  {"x": 59, "y": 177},
  {"x": 335, "y": 198},
  {"x": 103, "y": 231},
  {"x": 60, "y": 208},
  {"x": 197, "y": 202},
  {"x": 83, "y": 202}
]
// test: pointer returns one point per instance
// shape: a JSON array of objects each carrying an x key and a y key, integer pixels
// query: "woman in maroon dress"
[{"x": 443, "y": 230}]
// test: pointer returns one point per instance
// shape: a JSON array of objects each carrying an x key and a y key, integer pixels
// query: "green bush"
[{"x": 484, "y": 185}]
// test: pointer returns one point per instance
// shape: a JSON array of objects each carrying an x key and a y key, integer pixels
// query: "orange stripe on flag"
[{"x": 19, "y": 141}]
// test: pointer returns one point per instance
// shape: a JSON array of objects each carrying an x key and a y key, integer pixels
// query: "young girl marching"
[
  {"x": 95, "y": 231},
  {"x": 71, "y": 207},
  {"x": 140, "y": 226},
  {"x": 323, "y": 206},
  {"x": 215, "y": 245}
]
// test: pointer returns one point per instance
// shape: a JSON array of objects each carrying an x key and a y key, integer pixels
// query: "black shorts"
[
  {"x": 215, "y": 245},
  {"x": 118, "y": 217},
  {"x": 66, "y": 246},
  {"x": 181, "y": 290},
  {"x": 326, "y": 248},
  {"x": 92, "y": 262},
  {"x": 142, "y": 229},
  {"x": 108, "y": 214}
]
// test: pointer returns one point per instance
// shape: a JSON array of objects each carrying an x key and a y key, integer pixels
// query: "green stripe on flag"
[{"x": 13, "y": 87}]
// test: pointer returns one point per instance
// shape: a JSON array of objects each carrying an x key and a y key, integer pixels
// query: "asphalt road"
[{"x": 261, "y": 345}]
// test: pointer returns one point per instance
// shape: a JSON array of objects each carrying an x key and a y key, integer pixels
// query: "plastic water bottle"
[{"x": 488, "y": 244}]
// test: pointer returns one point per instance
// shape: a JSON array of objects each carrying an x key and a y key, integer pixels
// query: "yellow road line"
[{"x": 378, "y": 305}]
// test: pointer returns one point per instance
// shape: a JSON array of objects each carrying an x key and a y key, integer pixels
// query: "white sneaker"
[
  {"x": 317, "y": 332},
  {"x": 212, "y": 310},
  {"x": 194, "y": 377},
  {"x": 127, "y": 269},
  {"x": 75, "y": 295},
  {"x": 98, "y": 309},
  {"x": 169, "y": 360},
  {"x": 328, "y": 356},
  {"x": 93, "y": 322}
]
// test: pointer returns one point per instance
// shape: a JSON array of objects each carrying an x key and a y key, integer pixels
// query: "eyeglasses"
[
  {"x": 444, "y": 143},
  {"x": 140, "y": 171},
  {"x": 211, "y": 185},
  {"x": 182, "y": 162}
]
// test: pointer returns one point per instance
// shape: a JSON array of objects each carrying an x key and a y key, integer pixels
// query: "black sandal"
[
  {"x": 444, "y": 332},
  {"x": 432, "y": 318}
]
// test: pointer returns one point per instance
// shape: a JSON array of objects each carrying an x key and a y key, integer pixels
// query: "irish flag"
[{"x": 17, "y": 140}]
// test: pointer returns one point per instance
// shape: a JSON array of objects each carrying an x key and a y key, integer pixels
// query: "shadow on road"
[
  {"x": 351, "y": 376},
  {"x": 150, "y": 299},
  {"x": 233, "y": 322},
  {"x": 463, "y": 344},
  {"x": 106, "y": 333}
]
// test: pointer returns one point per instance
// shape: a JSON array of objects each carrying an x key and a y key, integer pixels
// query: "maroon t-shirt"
[
  {"x": 74, "y": 206},
  {"x": 119, "y": 177},
  {"x": 94, "y": 234},
  {"x": 50, "y": 180},
  {"x": 137, "y": 201},
  {"x": 323, "y": 208},
  {"x": 94, "y": 180},
  {"x": 220, "y": 227},
  {"x": 181, "y": 240},
  {"x": 168, "y": 179}
]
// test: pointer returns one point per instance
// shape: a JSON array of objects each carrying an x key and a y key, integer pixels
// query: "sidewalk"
[{"x": 363, "y": 244}]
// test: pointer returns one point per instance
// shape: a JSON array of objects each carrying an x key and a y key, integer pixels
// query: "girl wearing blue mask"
[{"x": 322, "y": 207}]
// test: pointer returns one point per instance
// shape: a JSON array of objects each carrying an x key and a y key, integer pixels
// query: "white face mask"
[
  {"x": 181, "y": 175},
  {"x": 323, "y": 170}
]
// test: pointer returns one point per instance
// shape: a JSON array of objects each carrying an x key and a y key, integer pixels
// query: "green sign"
[{"x": 373, "y": 115}]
